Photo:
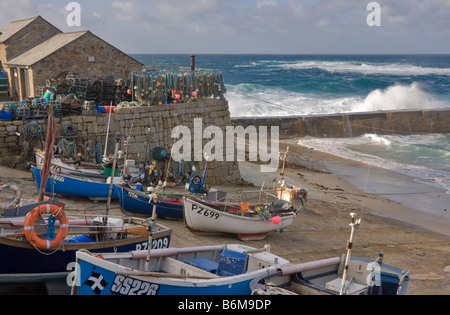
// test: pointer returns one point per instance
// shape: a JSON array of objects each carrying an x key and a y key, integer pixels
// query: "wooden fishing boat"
[
  {"x": 60, "y": 167},
  {"x": 206, "y": 270},
  {"x": 346, "y": 275},
  {"x": 251, "y": 216},
  {"x": 36, "y": 257},
  {"x": 94, "y": 188},
  {"x": 139, "y": 203},
  {"x": 30, "y": 254},
  {"x": 248, "y": 220}
]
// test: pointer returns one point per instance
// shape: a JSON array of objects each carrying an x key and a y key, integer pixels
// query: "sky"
[{"x": 252, "y": 26}]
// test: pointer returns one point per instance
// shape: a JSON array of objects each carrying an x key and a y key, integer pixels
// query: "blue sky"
[{"x": 251, "y": 26}]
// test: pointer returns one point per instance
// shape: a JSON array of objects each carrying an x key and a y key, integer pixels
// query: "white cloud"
[
  {"x": 291, "y": 26},
  {"x": 266, "y": 3}
]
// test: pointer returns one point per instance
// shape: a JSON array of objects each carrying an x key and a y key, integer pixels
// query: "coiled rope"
[
  {"x": 69, "y": 130},
  {"x": 32, "y": 130}
]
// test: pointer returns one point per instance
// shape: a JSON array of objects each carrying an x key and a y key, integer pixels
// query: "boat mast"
[
  {"x": 50, "y": 141},
  {"x": 107, "y": 132},
  {"x": 153, "y": 229},
  {"x": 354, "y": 225},
  {"x": 283, "y": 168},
  {"x": 111, "y": 184}
]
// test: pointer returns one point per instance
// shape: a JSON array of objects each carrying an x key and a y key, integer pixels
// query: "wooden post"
[{"x": 193, "y": 62}]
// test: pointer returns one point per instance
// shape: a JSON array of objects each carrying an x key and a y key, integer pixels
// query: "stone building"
[{"x": 33, "y": 51}]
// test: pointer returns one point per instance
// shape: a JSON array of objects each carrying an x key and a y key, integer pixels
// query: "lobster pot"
[{"x": 10, "y": 107}]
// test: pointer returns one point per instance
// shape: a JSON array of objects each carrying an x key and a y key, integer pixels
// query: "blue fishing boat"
[
  {"x": 206, "y": 270},
  {"x": 94, "y": 188},
  {"x": 27, "y": 259},
  {"x": 138, "y": 203},
  {"x": 346, "y": 275}
]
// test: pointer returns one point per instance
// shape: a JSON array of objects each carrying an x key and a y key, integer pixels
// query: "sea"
[{"x": 292, "y": 85}]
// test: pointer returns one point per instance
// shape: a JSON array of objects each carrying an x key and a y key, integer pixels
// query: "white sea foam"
[
  {"x": 345, "y": 148},
  {"x": 365, "y": 68},
  {"x": 377, "y": 138},
  {"x": 256, "y": 101},
  {"x": 398, "y": 97}
]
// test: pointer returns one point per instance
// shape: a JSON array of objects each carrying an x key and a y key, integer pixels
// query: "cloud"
[
  {"x": 126, "y": 12},
  {"x": 11, "y": 10},
  {"x": 251, "y": 26},
  {"x": 266, "y": 3}
]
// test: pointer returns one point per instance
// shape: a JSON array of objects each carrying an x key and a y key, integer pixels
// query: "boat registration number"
[
  {"x": 133, "y": 195},
  {"x": 158, "y": 243},
  {"x": 204, "y": 212},
  {"x": 57, "y": 177},
  {"x": 128, "y": 286}
]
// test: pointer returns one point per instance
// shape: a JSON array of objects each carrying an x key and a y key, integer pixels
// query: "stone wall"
[
  {"x": 356, "y": 124},
  {"x": 144, "y": 128},
  {"x": 149, "y": 127}
]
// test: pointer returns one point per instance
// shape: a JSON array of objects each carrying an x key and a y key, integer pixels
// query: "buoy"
[{"x": 276, "y": 219}]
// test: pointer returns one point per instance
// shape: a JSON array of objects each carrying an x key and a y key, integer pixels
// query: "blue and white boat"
[
  {"x": 94, "y": 188},
  {"x": 347, "y": 275},
  {"x": 325, "y": 277},
  {"x": 138, "y": 203},
  {"x": 207, "y": 270},
  {"x": 24, "y": 262}
]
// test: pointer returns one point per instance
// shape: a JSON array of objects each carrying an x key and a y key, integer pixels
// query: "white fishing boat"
[
  {"x": 251, "y": 216},
  {"x": 248, "y": 220}
]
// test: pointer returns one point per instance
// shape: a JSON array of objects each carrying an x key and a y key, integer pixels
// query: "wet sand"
[{"x": 410, "y": 239}]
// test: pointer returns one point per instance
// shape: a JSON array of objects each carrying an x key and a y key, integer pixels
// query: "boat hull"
[
  {"x": 59, "y": 166},
  {"x": 69, "y": 185},
  {"x": 201, "y": 217},
  {"x": 135, "y": 202},
  {"x": 26, "y": 264},
  {"x": 112, "y": 275}
]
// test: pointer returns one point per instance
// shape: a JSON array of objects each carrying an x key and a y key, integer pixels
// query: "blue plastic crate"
[
  {"x": 232, "y": 263},
  {"x": 4, "y": 115}
]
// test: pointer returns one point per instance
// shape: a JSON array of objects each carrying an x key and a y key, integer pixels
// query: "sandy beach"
[{"x": 412, "y": 239}]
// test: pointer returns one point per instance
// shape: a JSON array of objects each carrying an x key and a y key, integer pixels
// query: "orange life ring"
[{"x": 31, "y": 218}]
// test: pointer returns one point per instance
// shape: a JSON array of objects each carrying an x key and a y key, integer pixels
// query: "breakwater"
[
  {"x": 144, "y": 128},
  {"x": 356, "y": 124}
]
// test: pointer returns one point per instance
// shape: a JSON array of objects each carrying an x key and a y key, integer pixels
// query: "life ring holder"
[
  {"x": 30, "y": 221},
  {"x": 16, "y": 200}
]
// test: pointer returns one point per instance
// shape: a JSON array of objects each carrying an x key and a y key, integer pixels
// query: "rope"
[
  {"x": 89, "y": 149},
  {"x": 99, "y": 152},
  {"x": 67, "y": 147},
  {"x": 32, "y": 130},
  {"x": 69, "y": 130}
]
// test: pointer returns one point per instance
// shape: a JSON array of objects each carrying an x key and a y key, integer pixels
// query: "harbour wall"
[
  {"x": 356, "y": 124},
  {"x": 142, "y": 129}
]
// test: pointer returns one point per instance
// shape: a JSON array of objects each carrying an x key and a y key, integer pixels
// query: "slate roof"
[
  {"x": 45, "y": 49},
  {"x": 14, "y": 27}
]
